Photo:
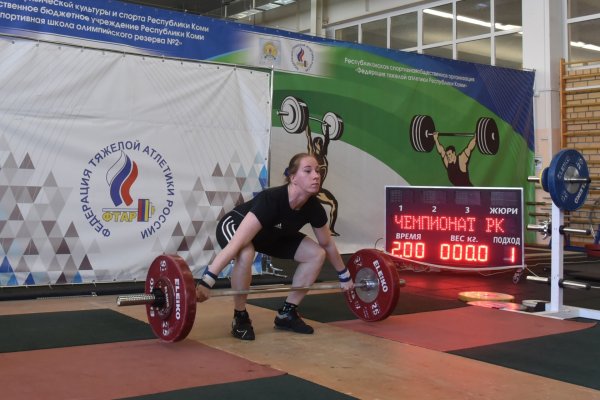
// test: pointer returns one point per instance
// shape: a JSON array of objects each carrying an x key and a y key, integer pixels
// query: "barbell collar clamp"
[
  {"x": 543, "y": 228},
  {"x": 539, "y": 228}
]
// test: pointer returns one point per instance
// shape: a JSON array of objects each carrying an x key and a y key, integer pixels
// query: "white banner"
[{"x": 109, "y": 159}]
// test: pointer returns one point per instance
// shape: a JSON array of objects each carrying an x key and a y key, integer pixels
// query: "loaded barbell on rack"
[
  {"x": 294, "y": 117},
  {"x": 422, "y": 130},
  {"x": 567, "y": 179},
  {"x": 170, "y": 295}
]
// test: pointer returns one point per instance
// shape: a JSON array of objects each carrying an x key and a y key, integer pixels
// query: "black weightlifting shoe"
[
  {"x": 291, "y": 321},
  {"x": 241, "y": 327}
]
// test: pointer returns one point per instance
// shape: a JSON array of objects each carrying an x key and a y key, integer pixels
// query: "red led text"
[
  {"x": 494, "y": 225},
  {"x": 435, "y": 223}
]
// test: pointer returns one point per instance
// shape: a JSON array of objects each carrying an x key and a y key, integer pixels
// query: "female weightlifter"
[{"x": 270, "y": 223}]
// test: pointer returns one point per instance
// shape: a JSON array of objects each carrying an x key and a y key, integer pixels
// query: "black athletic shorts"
[{"x": 269, "y": 241}]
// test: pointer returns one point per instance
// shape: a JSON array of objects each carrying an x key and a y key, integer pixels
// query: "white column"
[
  {"x": 316, "y": 18},
  {"x": 542, "y": 50}
]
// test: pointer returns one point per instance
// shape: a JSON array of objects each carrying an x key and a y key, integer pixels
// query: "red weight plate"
[
  {"x": 172, "y": 321},
  {"x": 388, "y": 291}
]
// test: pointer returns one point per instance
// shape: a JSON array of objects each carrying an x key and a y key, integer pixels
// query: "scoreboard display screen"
[{"x": 455, "y": 226}]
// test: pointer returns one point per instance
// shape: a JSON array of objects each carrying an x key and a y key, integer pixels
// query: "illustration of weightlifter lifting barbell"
[
  {"x": 295, "y": 118},
  {"x": 424, "y": 137}
]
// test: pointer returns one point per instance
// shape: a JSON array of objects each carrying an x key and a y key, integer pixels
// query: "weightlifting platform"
[{"x": 432, "y": 346}]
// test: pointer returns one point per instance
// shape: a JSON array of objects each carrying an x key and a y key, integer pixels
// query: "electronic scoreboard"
[{"x": 455, "y": 226}]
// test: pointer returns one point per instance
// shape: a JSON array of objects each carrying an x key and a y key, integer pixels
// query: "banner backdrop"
[
  {"x": 108, "y": 160},
  {"x": 386, "y": 106},
  {"x": 388, "y": 102}
]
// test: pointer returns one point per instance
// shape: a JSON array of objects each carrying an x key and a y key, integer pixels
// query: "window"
[
  {"x": 375, "y": 33},
  {"x": 583, "y": 24},
  {"x": 584, "y": 43},
  {"x": 437, "y": 24},
  {"x": 580, "y": 8},
  {"x": 442, "y": 51},
  {"x": 404, "y": 31},
  {"x": 474, "y": 51},
  {"x": 349, "y": 34},
  {"x": 472, "y": 18},
  {"x": 508, "y": 15},
  {"x": 509, "y": 51},
  {"x": 462, "y": 29}
]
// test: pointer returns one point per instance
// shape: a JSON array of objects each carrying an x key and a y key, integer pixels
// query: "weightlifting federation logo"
[
  {"x": 117, "y": 186},
  {"x": 302, "y": 57},
  {"x": 120, "y": 177}
]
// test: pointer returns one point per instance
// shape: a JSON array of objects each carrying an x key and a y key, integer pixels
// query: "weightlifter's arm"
[
  {"x": 244, "y": 234},
  {"x": 325, "y": 240},
  {"x": 440, "y": 149},
  {"x": 309, "y": 142},
  {"x": 463, "y": 157}
]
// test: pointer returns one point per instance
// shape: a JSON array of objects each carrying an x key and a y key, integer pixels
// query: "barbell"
[
  {"x": 546, "y": 227},
  {"x": 294, "y": 117},
  {"x": 422, "y": 129},
  {"x": 567, "y": 179},
  {"x": 563, "y": 283},
  {"x": 170, "y": 292}
]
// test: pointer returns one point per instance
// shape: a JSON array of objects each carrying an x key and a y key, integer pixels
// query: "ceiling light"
[
  {"x": 468, "y": 20},
  {"x": 284, "y": 2},
  {"x": 268, "y": 6},
  {"x": 586, "y": 46},
  {"x": 245, "y": 14}
]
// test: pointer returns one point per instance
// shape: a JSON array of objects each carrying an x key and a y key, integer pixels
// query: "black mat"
[
  {"x": 286, "y": 387},
  {"x": 331, "y": 307},
  {"x": 569, "y": 357},
  {"x": 25, "y": 332}
]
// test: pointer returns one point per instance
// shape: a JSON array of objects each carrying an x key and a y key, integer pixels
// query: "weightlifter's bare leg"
[
  {"x": 310, "y": 257},
  {"x": 241, "y": 276}
]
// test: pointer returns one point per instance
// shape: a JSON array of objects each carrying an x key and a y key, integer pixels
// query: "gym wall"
[{"x": 223, "y": 136}]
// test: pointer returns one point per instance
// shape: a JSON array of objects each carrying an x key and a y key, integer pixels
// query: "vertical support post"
[
  {"x": 316, "y": 18},
  {"x": 557, "y": 272}
]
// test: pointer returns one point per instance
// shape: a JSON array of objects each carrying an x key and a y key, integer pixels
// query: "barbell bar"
[
  {"x": 170, "y": 295},
  {"x": 422, "y": 129},
  {"x": 567, "y": 179},
  {"x": 157, "y": 299},
  {"x": 294, "y": 116},
  {"x": 563, "y": 283},
  {"x": 546, "y": 228}
]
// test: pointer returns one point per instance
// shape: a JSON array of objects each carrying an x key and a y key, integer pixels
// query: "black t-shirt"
[{"x": 272, "y": 208}]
